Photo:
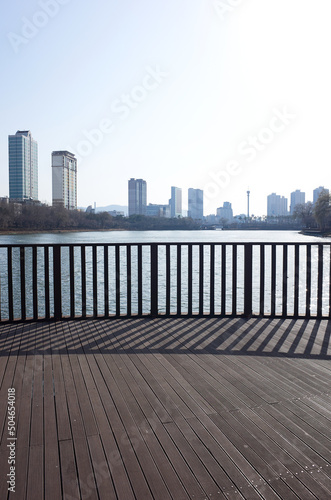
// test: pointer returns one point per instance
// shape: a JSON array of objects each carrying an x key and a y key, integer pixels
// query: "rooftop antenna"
[{"x": 248, "y": 193}]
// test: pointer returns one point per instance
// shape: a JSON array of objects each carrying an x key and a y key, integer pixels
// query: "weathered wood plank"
[
  {"x": 124, "y": 445},
  {"x": 101, "y": 473},
  {"x": 35, "y": 486},
  {"x": 69, "y": 475}
]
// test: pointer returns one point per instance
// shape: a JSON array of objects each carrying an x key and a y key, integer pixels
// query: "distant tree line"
[
  {"x": 317, "y": 215},
  {"x": 44, "y": 218},
  {"x": 306, "y": 215},
  {"x": 14, "y": 216}
]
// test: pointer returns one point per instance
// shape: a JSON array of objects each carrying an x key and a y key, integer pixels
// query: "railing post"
[
  {"x": 320, "y": 281},
  {"x": 201, "y": 281},
  {"x": 248, "y": 285},
  {"x": 10, "y": 284},
  {"x": 234, "y": 279},
  {"x": 273, "y": 278},
  {"x": 83, "y": 272},
  {"x": 190, "y": 279},
  {"x": 179, "y": 279},
  {"x": 118, "y": 280},
  {"x": 168, "y": 280},
  {"x": 128, "y": 281},
  {"x": 35, "y": 282},
  {"x": 285, "y": 267},
  {"x": 57, "y": 282},
  {"x": 46, "y": 267},
  {"x": 212, "y": 281},
  {"x": 140, "y": 280},
  {"x": 154, "y": 280},
  {"x": 22, "y": 274},
  {"x": 223, "y": 280},
  {"x": 72, "y": 281},
  {"x": 95, "y": 280},
  {"x": 296, "y": 280},
  {"x": 106, "y": 280}
]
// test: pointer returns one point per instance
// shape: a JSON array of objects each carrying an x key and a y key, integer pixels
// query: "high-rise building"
[
  {"x": 137, "y": 196},
  {"x": 317, "y": 192},
  {"x": 153, "y": 210},
  {"x": 276, "y": 205},
  {"x": 64, "y": 180},
  {"x": 225, "y": 212},
  {"x": 195, "y": 204},
  {"x": 297, "y": 198},
  {"x": 23, "y": 166},
  {"x": 175, "y": 202}
]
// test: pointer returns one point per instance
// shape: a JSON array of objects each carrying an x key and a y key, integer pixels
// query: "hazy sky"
[{"x": 219, "y": 95}]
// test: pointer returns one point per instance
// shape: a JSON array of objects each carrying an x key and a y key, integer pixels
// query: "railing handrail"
[{"x": 163, "y": 243}]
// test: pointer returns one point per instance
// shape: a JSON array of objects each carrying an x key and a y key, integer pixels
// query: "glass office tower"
[
  {"x": 137, "y": 191},
  {"x": 23, "y": 166},
  {"x": 195, "y": 203}
]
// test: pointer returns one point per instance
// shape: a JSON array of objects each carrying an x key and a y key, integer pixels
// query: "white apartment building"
[
  {"x": 64, "y": 180},
  {"x": 276, "y": 205}
]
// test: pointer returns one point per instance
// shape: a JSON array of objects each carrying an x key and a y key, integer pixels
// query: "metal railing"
[{"x": 164, "y": 279}]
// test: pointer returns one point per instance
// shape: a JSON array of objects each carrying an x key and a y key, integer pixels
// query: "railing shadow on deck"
[{"x": 288, "y": 338}]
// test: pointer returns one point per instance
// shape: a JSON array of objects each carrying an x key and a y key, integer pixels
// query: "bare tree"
[
  {"x": 322, "y": 210},
  {"x": 304, "y": 212}
]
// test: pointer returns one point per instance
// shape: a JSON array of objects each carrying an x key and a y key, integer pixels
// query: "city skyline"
[
  {"x": 276, "y": 204},
  {"x": 23, "y": 155},
  {"x": 220, "y": 101}
]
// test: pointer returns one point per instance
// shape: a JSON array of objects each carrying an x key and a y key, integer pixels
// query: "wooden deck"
[{"x": 168, "y": 409}]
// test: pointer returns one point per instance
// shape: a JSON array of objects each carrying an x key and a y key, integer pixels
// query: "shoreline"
[
  {"x": 55, "y": 231},
  {"x": 63, "y": 231},
  {"x": 315, "y": 232},
  {"x": 12, "y": 232}
]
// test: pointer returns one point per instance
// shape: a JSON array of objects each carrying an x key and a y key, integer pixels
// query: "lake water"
[
  {"x": 159, "y": 236},
  {"x": 89, "y": 238}
]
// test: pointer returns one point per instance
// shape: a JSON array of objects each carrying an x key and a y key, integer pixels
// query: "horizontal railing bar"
[{"x": 163, "y": 243}]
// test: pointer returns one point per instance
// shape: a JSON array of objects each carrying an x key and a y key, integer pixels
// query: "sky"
[{"x": 221, "y": 95}]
